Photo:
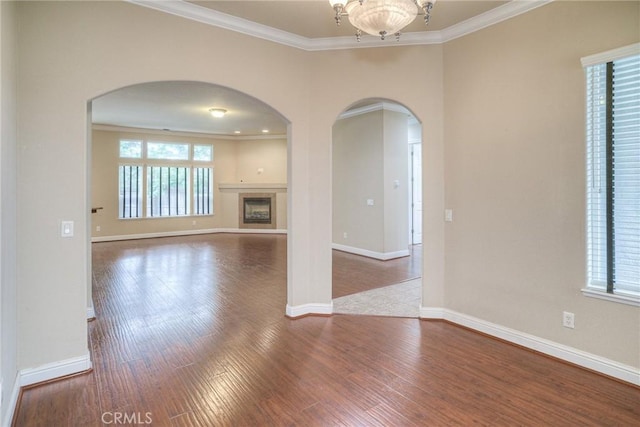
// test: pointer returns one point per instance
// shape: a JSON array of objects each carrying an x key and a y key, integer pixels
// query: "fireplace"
[{"x": 257, "y": 210}]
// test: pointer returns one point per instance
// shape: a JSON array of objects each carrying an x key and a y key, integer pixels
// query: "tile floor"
[{"x": 399, "y": 300}]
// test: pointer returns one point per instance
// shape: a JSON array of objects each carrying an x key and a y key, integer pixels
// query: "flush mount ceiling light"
[
  {"x": 218, "y": 112},
  {"x": 381, "y": 17}
]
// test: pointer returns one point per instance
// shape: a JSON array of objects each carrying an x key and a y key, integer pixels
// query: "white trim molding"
[
  {"x": 12, "y": 403},
  {"x": 375, "y": 107},
  {"x": 149, "y": 131},
  {"x": 251, "y": 186},
  {"x": 309, "y": 309},
  {"x": 91, "y": 313},
  {"x": 611, "y": 55},
  {"x": 49, "y": 371},
  {"x": 186, "y": 233},
  {"x": 590, "y": 361},
  {"x": 384, "y": 256},
  {"x": 215, "y": 18},
  {"x": 619, "y": 298}
]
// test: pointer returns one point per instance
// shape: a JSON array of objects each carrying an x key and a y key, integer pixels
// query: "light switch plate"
[
  {"x": 66, "y": 229},
  {"x": 448, "y": 215}
]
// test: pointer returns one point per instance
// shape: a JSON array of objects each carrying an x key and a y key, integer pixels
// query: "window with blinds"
[{"x": 613, "y": 173}]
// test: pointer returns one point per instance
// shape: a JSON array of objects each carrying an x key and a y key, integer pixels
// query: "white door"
[{"x": 416, "y": 193}]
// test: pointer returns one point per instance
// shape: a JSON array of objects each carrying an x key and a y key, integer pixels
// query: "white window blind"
[{"x": 613, "y": 175}]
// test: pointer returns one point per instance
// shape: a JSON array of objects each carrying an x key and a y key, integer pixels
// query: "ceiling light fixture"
[
  {"x": 265, "y": 130},
  {"x": 218, "y": 112},
  {"x": 381, "y": 17}
]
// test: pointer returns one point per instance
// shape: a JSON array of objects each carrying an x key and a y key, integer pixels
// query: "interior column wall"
[{"x": 8, "y": 199}]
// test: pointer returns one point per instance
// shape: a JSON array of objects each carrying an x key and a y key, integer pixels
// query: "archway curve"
[
  {"x": 365, "y": 179},
  {"x": 191, "y": 98},
  {"x": 194, "y": 97},
  {"x": 363, "y": 102}
]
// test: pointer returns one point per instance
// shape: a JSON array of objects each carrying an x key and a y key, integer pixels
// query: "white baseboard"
[
  {"x": 569, "y": 354},
  {"x": 11, "y": 403},
  {"x": 91, "y": 313},
  {"x": 383, "y": 256},
  {"x": 306, "y": 309},
  {"x": 186, "y": 233},
  {"x": 54, "y": 370}
]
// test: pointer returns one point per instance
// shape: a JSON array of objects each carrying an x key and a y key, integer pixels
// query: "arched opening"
[
  {"x": 161, "y": 165},
  {"x": 377, "y": 210}
]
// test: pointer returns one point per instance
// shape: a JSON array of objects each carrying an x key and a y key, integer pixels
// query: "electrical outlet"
[
  {"x": 98, "y": 228},
  {"x": 568, "y": 319},
  {"x": 344, "y": 235}
]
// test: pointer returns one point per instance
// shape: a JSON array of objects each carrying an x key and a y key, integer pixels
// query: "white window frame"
[
  {"x": 145, "y": 163},
  {"x": 595, "y": 290}
]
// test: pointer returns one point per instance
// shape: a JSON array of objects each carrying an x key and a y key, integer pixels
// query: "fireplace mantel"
[{"x": 252, "y": 186}]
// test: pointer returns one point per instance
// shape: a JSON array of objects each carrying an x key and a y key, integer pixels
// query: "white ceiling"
[
  {"x": 304, "y": 24},
  {"x": 315, "y": 18},
  {"x": 184, "y": 106}
]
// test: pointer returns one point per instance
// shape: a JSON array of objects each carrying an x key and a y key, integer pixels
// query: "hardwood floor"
[
  {"x": 191, "y": 331},
  {"x": 354, "y": 273}
]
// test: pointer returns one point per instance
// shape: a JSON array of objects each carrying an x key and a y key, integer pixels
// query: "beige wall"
[
  {"x": 358, "y": 166},
  {"x": 396, "y": 181},
  {"x": 515, "y": 175},
  {"x": 234, "y": 161},
  {"x": 261, "y": 161},
  {"x": 370, "y": 152},
  {"x": 8, "y": 199}
]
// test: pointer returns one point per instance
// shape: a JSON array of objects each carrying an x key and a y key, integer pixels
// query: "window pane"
[
  {"x": 130, "y": 148},
  {"x": 167, "y": 191},
  {"x": 203, "y": 191},
  {"x": 203, "y": 153},
  {"x": 167, "y": 151},
  {"x": 626, "y": 173},
  {"x": 613, "y": 176},
  {"x": 130, "y": 191},
  {"x": 596, "y": 176}
]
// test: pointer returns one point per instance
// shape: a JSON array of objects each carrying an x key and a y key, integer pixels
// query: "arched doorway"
[
  {"x": 161, "y": 164},
  {"x": 377, "y": 214}
]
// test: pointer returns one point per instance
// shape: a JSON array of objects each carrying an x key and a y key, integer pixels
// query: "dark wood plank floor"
[
  {"x": 191, "y": 331},
  {"x": 354, "y": 273}
]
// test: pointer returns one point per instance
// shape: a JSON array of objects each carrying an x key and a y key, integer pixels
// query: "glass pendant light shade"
[{"x": 381, "y": 17}]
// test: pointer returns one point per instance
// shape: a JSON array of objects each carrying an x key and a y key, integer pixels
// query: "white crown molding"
[
  {"x": 350, "y": 42},
  {"x": 114, "y": 128},
  {"x": 491, "y": 17},
  {"x": 233, "y": 23},
  {"x": 375, "y": 107},
  {"x": 222, "y": 20},
  {"x": 611, "y": 55}
]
